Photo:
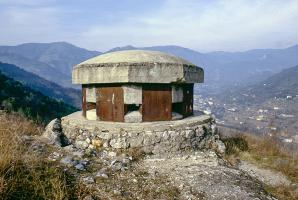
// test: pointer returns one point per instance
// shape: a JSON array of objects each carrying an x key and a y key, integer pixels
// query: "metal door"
[
  {"x": 110, "y": 104},
  {"x": 157, "y": 103}
]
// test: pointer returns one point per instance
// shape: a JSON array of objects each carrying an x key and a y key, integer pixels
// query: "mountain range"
[
  {"x": 280, "y": 85},
  {"x": 223, "y": 70},
  {"x": 51, "y": 61},
  {"x": 230, "y": 69}
]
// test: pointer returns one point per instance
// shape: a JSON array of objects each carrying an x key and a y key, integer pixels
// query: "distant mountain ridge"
[
  {"x": 223, "y": 70},
  {"x": 228, "y": 69},
  {"x": 68, "y": 95},
  {"x": 52, "y": 61},
  {"x": 280, "y": 85}
]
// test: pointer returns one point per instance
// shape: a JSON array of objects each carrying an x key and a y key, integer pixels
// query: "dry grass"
[
  {"x": 24, "y": 174},
  {"x": 266, "y": 152}
]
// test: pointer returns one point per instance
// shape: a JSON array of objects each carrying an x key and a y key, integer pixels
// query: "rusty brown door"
[
  {"x": 110, "y": 104},
  {"x": 187, "y": 100},
  {"x": 157, "y": 103},
  {"x": 84, "y": 103}
]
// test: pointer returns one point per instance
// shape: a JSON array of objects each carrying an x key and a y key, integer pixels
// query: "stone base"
[{"x": 197, "y": 132}]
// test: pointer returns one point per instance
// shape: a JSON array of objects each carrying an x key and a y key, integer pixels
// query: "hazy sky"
[{"x": 209, "y": 25}]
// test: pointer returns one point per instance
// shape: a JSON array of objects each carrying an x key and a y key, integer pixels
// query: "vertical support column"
[
  {"x": 84, "y": 102},
  {"x": 187, "y": 100},
  {"x": 97, "y": 95}
]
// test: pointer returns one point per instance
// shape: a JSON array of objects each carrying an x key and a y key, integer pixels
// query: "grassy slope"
[
  {"x": 266, "y": 152},
  {"x": 25, "y": 173}
]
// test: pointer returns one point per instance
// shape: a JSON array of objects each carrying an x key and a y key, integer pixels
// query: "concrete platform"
[
  {"x": 77, "y": 119},
  {"x": 197, "y": 132}
]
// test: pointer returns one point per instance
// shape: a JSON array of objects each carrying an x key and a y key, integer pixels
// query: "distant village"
[{"x": 275, "y": 117}]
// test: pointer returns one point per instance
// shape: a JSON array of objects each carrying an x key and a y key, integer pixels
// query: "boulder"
[{"x": 54, "y": 135}]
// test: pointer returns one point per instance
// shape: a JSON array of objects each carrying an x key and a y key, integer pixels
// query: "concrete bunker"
[
  {"x": 137, "y": 86},
  {"x": 141, "y": 100}
]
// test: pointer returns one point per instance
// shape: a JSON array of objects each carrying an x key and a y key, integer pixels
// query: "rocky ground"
[
  {"x": 106, "y": 173},
  {"x": 132, "y": 175},
  {"x": 201, "y": 175},
  {"x": 204, "y": 175}
]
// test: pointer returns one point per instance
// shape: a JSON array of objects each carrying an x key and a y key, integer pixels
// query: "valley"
[{"x": 269, "y": 107}]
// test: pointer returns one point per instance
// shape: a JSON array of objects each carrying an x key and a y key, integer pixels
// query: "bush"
[{"x": 235, "y": 144}]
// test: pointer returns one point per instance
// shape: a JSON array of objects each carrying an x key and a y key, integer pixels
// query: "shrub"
[{"x": 235, "y": 144}]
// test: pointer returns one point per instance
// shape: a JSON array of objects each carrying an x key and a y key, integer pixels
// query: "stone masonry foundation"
[{"x": 165, "y": 137}]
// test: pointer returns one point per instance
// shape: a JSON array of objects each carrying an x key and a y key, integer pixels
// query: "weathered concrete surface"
[
  {"x": 177, "y": 94},
  {"x": 132, "y": 94},
  {"x": 91, "y": 94},
  {"x": 76, "y": 118},
  {"x": 176, "y": 116},
  {"x": 192, "y": 133},
  {"x": 136, "y": 66},
  {"x": 136, "y": 56},
  {"x": 133, "y": 117},
  {"x": 91, "y": 114}
]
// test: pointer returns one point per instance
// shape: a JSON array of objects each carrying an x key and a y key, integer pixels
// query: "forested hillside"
[
  {"x": 32, "y": 104},
  {"x": 68, "y": 95}
]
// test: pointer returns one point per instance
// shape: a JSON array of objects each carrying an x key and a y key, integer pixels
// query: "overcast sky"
[{"x": 229, "y": 25}]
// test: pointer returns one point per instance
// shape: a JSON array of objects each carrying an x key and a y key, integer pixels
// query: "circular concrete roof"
[
  {"x": 135, "y": 56},
  {"x": 136, "y": 66}
]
